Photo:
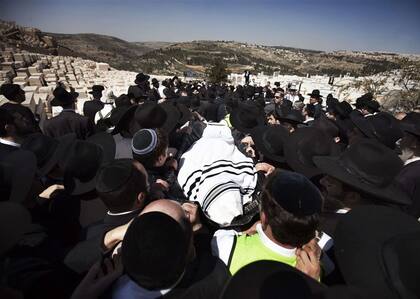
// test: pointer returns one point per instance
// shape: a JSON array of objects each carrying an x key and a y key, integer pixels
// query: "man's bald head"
[{"x": 168, "y": 207}]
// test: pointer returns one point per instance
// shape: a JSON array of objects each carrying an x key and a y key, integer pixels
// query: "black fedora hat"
[
  {"x": 107, "y": 144},
  {"x": 97, "y": 89},
  {"x": 140, "y": 78},
  {"x": 326, "y": 125},
  {"x": 382, "y": 126},
  {"x": 173, "y": 116},
  {"x": 62, "y": 97},
  {"x": 270, "y": 279},
  {"x": 80, "y": 167},
  {"x": 121, "y": 117},
  {"x": 246, "y": 116},
  {"x": 17, "y": 174},
  {"x": 411, "y": 123},
  {"x": 369, "y": 166},
  {"x": 376, "y": 248},
  {"x": 186, "y": 114},
  {"x": 306, "y": 143},
  {"x": 150, "y": 115},
  {"x": 343, "y": 109},
  {"x": 315, "y": 94},
  {"x": 270, "y": 141},
  {"x": 288, "y": 115},
  {"x": 48, "y": 151}
]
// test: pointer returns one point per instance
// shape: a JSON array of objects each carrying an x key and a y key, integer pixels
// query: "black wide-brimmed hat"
[
  {"x": 140, "y": 78},
  {"x": 411, "y": 123},
  {"x": 150, "y": 115},
  {"x": 80, "y": 166},
  {"x": 270, "y": 279},
  {"x": 10, "y": 91},
  {"x": 326, "y": 125},
  {"x": 97, "y": 89},
  {"x": 107, "y": 144},
  {"x": 62, "y": 97},
  {"x": 186, "y": 114},
  {"x": 377, "y": 249},
  {"x": 288, "y": 115},
  {"x": 48, "y": 151},
  {"x": 381, "y": 126},
  {"x": 17, "y": 174},
  {"x": 173, "y": 116},
  {"x": 369, "y": 166},
  {"x": 306, "y": 143},
  {"x": 15, "y": 221},
  {"x": 123, "y": 117},
  {"x": 315, "y": 94},
  {"x": 246, "y": 116},
  {"x": 343, "y": 109},
  {"x": 270, "y": 141}
]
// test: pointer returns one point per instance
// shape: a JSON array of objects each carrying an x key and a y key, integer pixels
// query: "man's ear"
[
  {"x": 263, "y": 219},
  {"x": 141, "y": 200}
]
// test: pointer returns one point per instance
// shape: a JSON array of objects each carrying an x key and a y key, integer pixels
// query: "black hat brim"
[
  {"x": 332, "y": 167},
  {"x": 258, "y": 135},
  {"x": 63, "y": 143},
  {"x": 107, "y": 143},
  {"x": 124, "y": 118},
  {"x": 173, "y": 116}
]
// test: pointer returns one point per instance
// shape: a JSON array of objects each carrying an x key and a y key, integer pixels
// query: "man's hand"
[
  {"x": 172, "y": 163},
  {"x": 252, "y": 230},
  {"x": 163, "y": 184},
  {"x": 50, "y": 190},
  {"x": 191, "y": 209},
  {"x": 266, "y": 168},
  {"x": 96, "y": 281},
  {"x": 114, "y": 236},
  {"x": 308, "y": 259}
]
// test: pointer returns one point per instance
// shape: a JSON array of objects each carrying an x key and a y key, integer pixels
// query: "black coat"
[
  {"x": 90, "y": 108},
  {"x": 89, "y": 251},
  {"x": 154, "y": 95},
  {"x": 409, "y": 181},
  {"x": 68, "y": 122}
]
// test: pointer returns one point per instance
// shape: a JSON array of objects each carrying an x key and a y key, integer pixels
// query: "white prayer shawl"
[{"x": 217, "y": 175}]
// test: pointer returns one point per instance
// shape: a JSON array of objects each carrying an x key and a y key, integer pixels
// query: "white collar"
[
  {"x": 122, "y": 213},
  {"x": 308, "y": 120},
  {"x": 287, "y": 252},
  {"x": 8, "y": 142},
  {"x": 414, "y": 159}
]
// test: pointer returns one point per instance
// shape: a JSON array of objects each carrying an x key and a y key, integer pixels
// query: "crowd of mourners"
[{"x": 199, "y": 190}]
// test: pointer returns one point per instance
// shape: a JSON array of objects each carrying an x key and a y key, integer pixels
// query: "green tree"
[{"x": 217, "y": 73}]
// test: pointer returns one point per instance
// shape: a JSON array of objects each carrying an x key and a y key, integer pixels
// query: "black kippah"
[
  {"x": 295, "y": 193},
  {"x": 114, "y": 175},
  {"x": 154, "y": 251}
]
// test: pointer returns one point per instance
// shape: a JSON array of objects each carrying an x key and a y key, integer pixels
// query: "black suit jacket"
[
  {"x": 91, "y": 107},
  {"x": 89, "y": 251},
  {"x": 409, "y": 181},
  {"x": 68, "y": 122}
]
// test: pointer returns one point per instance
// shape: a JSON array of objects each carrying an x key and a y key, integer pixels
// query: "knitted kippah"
[{"x": 144, "y": 142}]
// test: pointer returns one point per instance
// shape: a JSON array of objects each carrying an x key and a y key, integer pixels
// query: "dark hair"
[
  {"x": 5, "y": 119},
  {"x": 122, "y": 199},
  {"x": 286, "y": 227},
  {"x": 150, "y": 159},
  {"x": 411, "y": 142}
]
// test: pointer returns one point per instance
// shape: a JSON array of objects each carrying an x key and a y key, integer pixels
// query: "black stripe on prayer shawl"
[
  {"x": 199, "y": 181},
  {"x": 216, "y": 189},
  {"x": 211, "y": 199},
  {"x": 230, "y": 163}
]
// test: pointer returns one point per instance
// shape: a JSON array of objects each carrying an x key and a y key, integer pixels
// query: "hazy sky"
[{"x": 372, "y": 25}]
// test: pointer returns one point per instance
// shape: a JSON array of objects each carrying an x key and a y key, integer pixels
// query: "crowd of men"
[{"x": 199, "y": 190}]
